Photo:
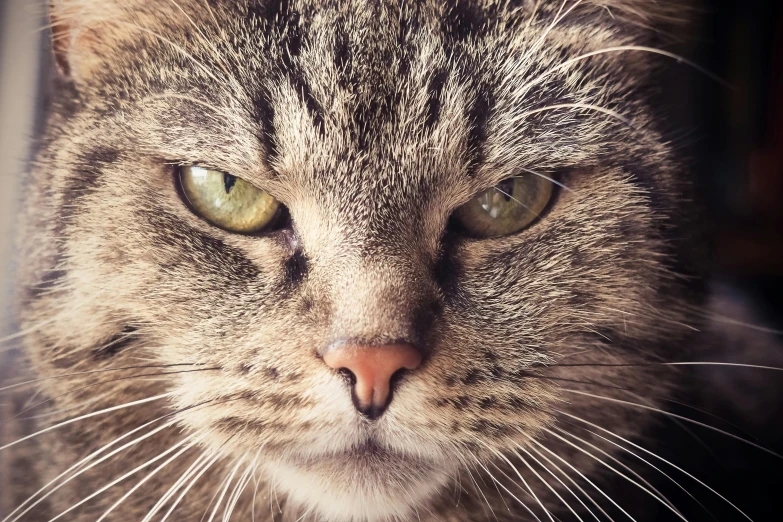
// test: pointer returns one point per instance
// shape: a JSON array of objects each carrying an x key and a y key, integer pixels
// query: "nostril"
[
  {"x": 348, "y": 375},
  {"x": 373, "y": 371},
  {"x": 397, "y": 377}
]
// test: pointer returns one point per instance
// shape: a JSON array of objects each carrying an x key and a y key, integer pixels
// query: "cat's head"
[{"x": 464, "y": 201}]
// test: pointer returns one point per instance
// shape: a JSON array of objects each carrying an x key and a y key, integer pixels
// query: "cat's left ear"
[{"x": 79, "y": 30}]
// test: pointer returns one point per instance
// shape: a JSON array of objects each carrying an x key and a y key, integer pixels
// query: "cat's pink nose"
[{"x": 372, "y": 369}]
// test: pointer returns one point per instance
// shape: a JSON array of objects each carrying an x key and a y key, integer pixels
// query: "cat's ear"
[{"x": 81, "y": 31}]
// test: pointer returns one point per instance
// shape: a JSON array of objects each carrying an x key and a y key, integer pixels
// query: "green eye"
[
  {"x": 226, "y": 201},
  {"x": 507, "y": 207}
]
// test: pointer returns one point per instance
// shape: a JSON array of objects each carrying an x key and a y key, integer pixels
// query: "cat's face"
[{"x": 371, "y": 122}]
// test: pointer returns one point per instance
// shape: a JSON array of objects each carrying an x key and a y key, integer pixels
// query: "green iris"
[
  {"x": 226, "y": 201},
  {"x": 507, "y": 207}
]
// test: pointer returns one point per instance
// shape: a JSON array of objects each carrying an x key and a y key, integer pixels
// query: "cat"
[{"x": 351, "y": 261}]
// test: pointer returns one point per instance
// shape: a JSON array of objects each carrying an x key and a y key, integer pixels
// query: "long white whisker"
[
  {"x": 224, "y": 490},
  {"x": 123, "y": 477},
  {"x": 27, "y": 331},
  {"x": 671, "y": 479},
  {"x": 582, "y": 475},
  {"x": 559, "y": 17},
  {"x": 541, "y": 464},
  {"x": 588, "y": 106},
  {"x": 194, "y": 467},
  {"x": 491, "y": 476},
  {"x": 87, "y": 416},
  {"x": 616, "y": 471},
  {"x": 619, "y": 48},
  {"x": 738, "y": 365},
  {"x": 244, "y": 479},
  {"x": 674, "y": 415},
  {"x": 516, "y": 471},
  {"x": 84, "y": 461},
  {"x": 551, "y": 180},
  {"x": 627, "y": 468},
  {"x": 476, "y": 485},
  {"x": 193, "y": 482},
  {"x": 548, "y": 485},
  {"x": 515, "y": 199},
  {"x": 648, "y": 452},
  {"x": 147, "y": 477},
  {"x": 567, "y": 477}
]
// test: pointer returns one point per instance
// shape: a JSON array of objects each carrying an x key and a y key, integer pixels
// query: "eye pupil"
[
  {"x": 228, "y": 182},
  {"x": 506, "y": 188}
]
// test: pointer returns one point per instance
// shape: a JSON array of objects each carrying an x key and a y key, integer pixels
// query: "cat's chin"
[{"x": 367, "y": 484}]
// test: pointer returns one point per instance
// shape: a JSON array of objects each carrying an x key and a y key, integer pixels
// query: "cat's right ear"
[{"x": 82, "y": 31}]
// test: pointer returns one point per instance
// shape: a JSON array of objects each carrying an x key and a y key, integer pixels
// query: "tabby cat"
[{"x": 350, "y": 260}]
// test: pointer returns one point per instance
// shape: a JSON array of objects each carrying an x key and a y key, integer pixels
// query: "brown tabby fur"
[{"x": 371, "y": 121}]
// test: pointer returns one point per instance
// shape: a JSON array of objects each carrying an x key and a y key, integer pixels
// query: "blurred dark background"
[
  {"x": 737, "y": 141},
  {"x": 733, "y": 135}
]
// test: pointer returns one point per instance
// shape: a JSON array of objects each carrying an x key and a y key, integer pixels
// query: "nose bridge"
[{"x": 378, "y": 299}]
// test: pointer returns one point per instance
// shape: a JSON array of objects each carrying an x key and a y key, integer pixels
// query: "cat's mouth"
[{"x": 368, "y": 453}]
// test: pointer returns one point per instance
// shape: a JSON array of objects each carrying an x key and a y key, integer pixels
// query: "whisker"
[
  {"x": 238, "y": 489},
  {"x": 515, "y": 199},
  {"x": 559, "y": 17},
  {"x": 548, "y": 485},
  {"x": 151, "y": 474},
  {"x": 467, "y": 465},
  {"x": 620, "y": 48},
  {"x": 73, "y": 469},
  {"x": 571, "y": 480},
  {"x": 123, "y": 477},
  {"x": 184, "y": 492},
  {"x": 617, "y": 472},
  {"x": 654, "y": 455},
  {"x": 81, "y": 463},
  {"x": 738, "y": 365},
  {"x": 686, "y": 363},
  {"x": 225, "y": 488},
  {"x": 87, "y": 416},
  {"x": 88, "y": 372},
  {"x": 674, "y": 415},
  {"x": 627, "y": 468},
  {"x": 516, "y": 471},
  {"x": 588, "y": 106},
  {"x": 102, "y": 383},
  {"x": 551, "y": 180},
  {"x": 491, "y": 476},
  {"x": 28, "y": 331},
  {"x": 582, "y": 475},
  {"x": 194, "y": 467}
]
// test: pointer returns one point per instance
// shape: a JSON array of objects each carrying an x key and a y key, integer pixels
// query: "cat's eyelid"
[{"x": 256, "y": 181}]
